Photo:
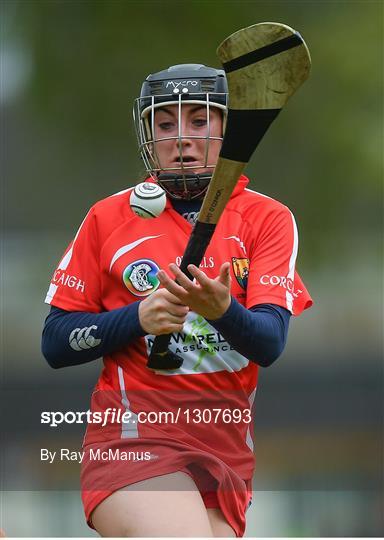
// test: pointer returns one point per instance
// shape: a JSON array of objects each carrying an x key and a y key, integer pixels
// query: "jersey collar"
[{"x": 242, "y": 183}]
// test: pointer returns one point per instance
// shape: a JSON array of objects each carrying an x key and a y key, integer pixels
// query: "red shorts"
[{"x": 220, "y": 487}]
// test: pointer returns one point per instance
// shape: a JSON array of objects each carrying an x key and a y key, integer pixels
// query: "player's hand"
[
  {"x": 208, "y": 297},
  {"x": 162, "y": 313}
]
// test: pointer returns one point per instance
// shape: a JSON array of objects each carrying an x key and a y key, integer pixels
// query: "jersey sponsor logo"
[
  {"x": 241, "y": 270},
  {"x": 81, "y": 338},
  {"x": 206, "y": 262},
  {"x": 281, "y": 281},
  {"x": 140, "y": 277},
  {"x": 203, "y": 348},
  {"x": 199, "y": 337},
  {"x": 73, "y": 282}
]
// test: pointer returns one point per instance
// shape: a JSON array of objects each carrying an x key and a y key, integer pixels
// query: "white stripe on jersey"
[
  {"x": 292, "y": 263},
  {"x": 249, "y": 440},
  {"x": 121, "y": 251},
  {"x": 237, "y": 240},
  {"x": 292, "y": 260},
  {"x": 128, "y": 429},
  {"x": 63, "y": 264},
  {"x": 67, "y": 257},
  {"x": 258, "y": 193}
]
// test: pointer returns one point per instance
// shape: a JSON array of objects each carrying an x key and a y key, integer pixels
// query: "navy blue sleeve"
[
  {"x": 259, "y": 334},
  {"x": 72, "y": 338}
]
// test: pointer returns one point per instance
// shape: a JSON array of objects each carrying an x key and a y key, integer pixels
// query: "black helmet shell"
[{"x": 188, "y": 80}]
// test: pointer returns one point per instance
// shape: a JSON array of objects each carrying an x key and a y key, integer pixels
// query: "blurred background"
[{"x": 69, "y": 73}]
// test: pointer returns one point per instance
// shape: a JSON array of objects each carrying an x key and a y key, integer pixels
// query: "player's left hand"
[{"x": 208, "y": 297}]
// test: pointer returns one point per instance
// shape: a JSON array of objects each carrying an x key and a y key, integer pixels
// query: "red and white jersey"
[{"x": 113, "y": 261}]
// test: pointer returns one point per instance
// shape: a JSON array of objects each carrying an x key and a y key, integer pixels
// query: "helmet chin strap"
[{"x": 185, "y": 186}]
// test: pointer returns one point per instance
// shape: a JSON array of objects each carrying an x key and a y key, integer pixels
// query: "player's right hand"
[{"x": 162, "y": 313}]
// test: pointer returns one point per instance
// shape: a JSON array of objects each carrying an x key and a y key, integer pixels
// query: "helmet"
[{"x": 179, "y": 85}]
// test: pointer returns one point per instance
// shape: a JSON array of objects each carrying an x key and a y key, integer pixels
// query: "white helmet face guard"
[{"x": 185, "y": 175}]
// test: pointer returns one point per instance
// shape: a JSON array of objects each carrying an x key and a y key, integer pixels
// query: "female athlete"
[{"x": 169, "y": 452}]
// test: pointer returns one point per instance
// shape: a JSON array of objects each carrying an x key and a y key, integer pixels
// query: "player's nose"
[
  {"x": 184, "y": 140},
  {"x": 186, "y": 129}
]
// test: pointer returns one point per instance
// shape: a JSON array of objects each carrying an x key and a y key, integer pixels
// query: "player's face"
[{"x": 196, "y": 151}]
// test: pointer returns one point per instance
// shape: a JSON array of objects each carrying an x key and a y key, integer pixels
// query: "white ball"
[{"x": 147, "y": 200}]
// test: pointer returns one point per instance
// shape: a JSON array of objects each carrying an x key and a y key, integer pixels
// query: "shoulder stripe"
[
  {"x": 63, "y": 264},
  {"x": 292, "y": 263},
  {"x": 258, "y": 193}
]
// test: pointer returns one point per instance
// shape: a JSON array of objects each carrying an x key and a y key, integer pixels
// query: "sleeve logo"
[
  {"x": 81, "y": 338},
  {"x": 241, "y": 271}
]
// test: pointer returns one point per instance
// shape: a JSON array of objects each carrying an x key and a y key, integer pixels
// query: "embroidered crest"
[
  {"x": 241, "y": 271},
  {"x": 140, "y": 277}
]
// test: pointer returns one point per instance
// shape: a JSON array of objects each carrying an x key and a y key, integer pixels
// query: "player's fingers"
[
  {"x": 172, "y": 298},
  {"x": 184, "y": 280},
  {"x": 174, "y": 319},
  {"x": 225, "y": 274},
  {"x": 171, "y": 285},
  {"x": 164, "y": 294},
  {"x": 170, "y": 328},
  {"x": 199, "y": 275},
  {"x": 177, "y": 310}
]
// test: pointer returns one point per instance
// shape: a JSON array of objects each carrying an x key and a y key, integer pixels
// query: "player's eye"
[
  {"x": 166, "y": 126},
  {"x": 199, "y": 122}
]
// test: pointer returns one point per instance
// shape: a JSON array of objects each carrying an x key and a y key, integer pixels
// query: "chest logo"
[
  {"x": 140, "y": 277},
  {"x": 241, "y": 271}
]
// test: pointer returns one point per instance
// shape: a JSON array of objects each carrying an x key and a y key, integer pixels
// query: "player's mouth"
[{"x": 187, "y": 161}]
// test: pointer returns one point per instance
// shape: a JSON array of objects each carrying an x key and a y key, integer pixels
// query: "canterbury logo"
[{"x": 81, "y": 338}]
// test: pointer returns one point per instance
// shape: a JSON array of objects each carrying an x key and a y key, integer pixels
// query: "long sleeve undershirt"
[{"x": 72, "y": 338}]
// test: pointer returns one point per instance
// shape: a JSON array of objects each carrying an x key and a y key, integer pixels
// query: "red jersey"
[{"x": 113, "y": 261}]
